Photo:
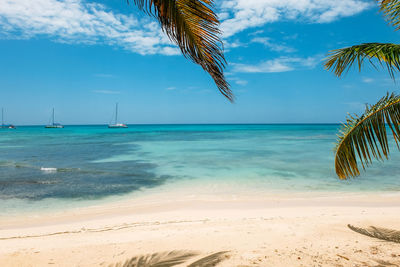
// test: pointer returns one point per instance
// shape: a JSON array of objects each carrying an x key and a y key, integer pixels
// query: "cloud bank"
[
  {"x": 81, "y": 21},
  {"x": 281, "y": 64},
  {"x": 78, "y": 21},
  {"x": 239, "y": 15}
]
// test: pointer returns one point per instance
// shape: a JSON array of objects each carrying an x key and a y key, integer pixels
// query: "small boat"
[
  {"x": 53, "y": 124},
  {"x": 4, "y": 126},
  {"x": 116, "y": 124}
]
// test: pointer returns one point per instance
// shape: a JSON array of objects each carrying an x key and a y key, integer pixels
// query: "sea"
[{"x": 46, "y": 169}]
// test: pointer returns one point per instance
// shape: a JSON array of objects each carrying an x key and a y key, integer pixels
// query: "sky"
[{"x": 81, "y": 57}]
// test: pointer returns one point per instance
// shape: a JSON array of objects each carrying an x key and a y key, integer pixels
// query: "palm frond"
[
  {"x": 340, "y": 60},
  {"x": 365, "y": 136},
  {"x": 193, "y": 26},
  {"x": 159, "y": 259},
  {"x": 377, "y": 232},
  {"x": 391, "y": 10}
]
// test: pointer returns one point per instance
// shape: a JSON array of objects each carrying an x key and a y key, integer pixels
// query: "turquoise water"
[{"x": 82, "y": 163}]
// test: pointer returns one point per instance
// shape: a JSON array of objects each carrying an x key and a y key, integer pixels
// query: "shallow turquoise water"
[{"x": 93, "y": 162}]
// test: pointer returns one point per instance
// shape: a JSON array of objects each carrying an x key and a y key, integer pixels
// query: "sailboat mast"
[
  {"x": 116, "y": 113},
  {"x": 53, "y": 117},
  {"x": 2, "y": 117}
]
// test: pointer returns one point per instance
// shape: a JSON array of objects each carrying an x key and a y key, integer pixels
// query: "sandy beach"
[
  {"x": 200, "y": 133},
  {"x": 278, "y": 230}
]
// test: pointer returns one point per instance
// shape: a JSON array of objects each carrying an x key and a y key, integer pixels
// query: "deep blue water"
[{"x": 93, "y": 162}]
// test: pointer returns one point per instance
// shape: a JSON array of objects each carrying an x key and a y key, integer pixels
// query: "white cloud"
[
  {"x": 367, "y": 80},
  {"x": 256, "y": 32},
  {"x": 77, "y": 21},
  {"x": 107, "y": 92},
  {"x": 238, "y": 81},
  {"x": 291, "y": 37},
  {"x": 170, "y": 88},
  {"x": 170, "y": 51},
  {"x": 266, "y": 41},
  {"x": 233, "y": 44},
  {"x": 241, "y": 82},
  {"x": 281, "y": 64},
  {"x": 223, "y": 15},
  {"x": 244, "y": 14},
  {"x": 272, "y": 45}
]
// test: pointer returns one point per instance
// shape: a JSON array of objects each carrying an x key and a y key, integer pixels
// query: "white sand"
[{"x": 277, "y": 230}]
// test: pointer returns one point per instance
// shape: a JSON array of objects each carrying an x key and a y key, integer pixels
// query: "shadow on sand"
[{"x": 173, "y": 258}]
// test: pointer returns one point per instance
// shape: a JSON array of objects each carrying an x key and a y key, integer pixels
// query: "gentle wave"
[{"x": 48, "y": 169}]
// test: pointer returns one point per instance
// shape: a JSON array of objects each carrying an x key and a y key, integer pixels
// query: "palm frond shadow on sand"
[
  {"x": 382, "y": 263},
  {"x": 173, "y": 258},
  {"x": 378, "y": 232}
]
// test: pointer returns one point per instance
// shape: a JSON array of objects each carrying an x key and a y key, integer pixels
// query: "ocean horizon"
[{"x": 172, "y": 124}]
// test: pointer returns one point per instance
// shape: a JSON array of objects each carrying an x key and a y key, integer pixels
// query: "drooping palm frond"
[
  {"x": 391, "y": 10},
  {"x": 365, "y": 136},
  {"x": 377, "y": 232},
  {"x": 193, "y": 26},
  {"x": 340, "y": 60}
]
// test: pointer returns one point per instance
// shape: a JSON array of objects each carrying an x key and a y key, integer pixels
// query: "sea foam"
[{"x": 46, "y": 169}]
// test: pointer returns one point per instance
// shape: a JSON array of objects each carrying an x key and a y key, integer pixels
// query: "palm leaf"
[
  {"x": 340, "y": 60},
  {"x": 365, "y": 136},
  {"x": 193, "y": 26},
  {"x": 391, "y": 10},
  {"x": 377, "y": 232}
]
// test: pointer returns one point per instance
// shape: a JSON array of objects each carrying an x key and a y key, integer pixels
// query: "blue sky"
[{"x": 83, "y": 56}]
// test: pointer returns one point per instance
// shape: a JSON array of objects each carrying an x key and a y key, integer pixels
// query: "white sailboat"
[
  {"x": 53, "y": 124},
  {"x": 116, "y": 124},
  {"x": 3, "y": 126}
]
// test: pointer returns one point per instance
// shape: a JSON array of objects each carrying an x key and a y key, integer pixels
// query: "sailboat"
[
  {"x": 53, "y": 124},
  {"x": 116, "y": 124},
  {"x": 3, "y": 126}
]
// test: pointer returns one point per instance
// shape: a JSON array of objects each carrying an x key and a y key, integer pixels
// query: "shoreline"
[
  {"x": 153, "y": 203},
  {"x": 275, "y": 230},
  {"x": 226, "y": 189}
]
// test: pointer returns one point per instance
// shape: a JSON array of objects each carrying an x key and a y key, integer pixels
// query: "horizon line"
[{"x": 149, "y": 124}]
